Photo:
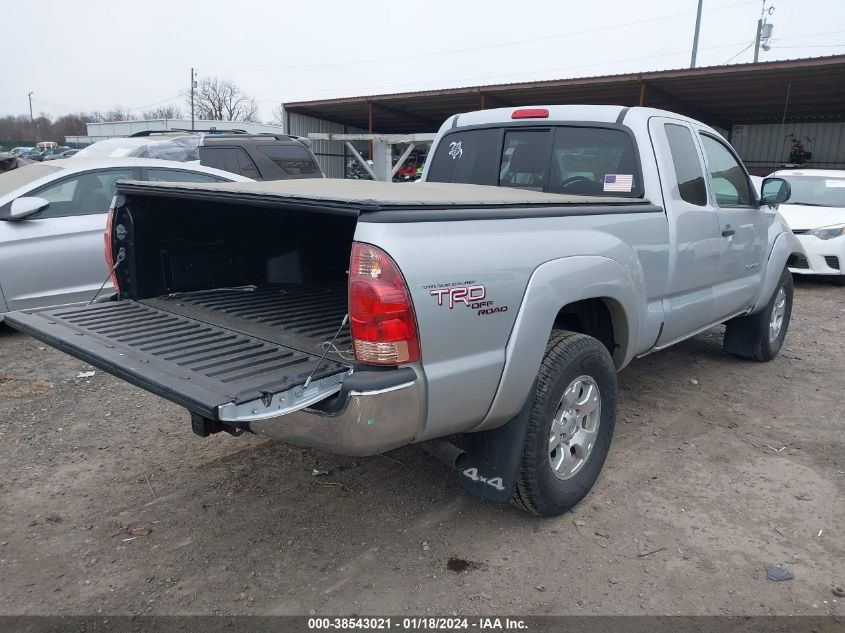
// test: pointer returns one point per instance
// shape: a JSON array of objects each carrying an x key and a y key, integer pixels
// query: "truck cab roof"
[{"x": 558, "y": 113}]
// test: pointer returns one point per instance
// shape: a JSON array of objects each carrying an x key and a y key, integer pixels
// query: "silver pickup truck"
[{"x": 492, "y": 304}]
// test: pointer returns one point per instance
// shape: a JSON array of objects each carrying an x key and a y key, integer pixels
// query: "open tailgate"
[{"x": 215, "y": 372}]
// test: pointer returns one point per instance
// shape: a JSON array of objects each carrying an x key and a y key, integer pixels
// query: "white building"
[{"x": 121, "y": 129}]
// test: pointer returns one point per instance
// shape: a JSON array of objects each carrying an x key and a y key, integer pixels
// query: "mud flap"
[{"x": 494, "y": 458}]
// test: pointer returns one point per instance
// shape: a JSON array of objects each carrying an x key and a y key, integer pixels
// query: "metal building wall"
[
  {"x": 766, "y": 145},
  {"x": 330, "y": 154}
]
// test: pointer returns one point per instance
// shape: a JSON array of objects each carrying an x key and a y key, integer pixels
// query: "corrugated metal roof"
[{"x": 718, "y": 95}]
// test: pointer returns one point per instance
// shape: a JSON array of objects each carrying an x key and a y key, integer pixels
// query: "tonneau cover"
[{"x": 357, "y": 196}]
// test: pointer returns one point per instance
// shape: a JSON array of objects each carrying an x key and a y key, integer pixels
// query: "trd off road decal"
[
  {"x": 464, "y": 294},
  {"x": 455, "y": 149}
]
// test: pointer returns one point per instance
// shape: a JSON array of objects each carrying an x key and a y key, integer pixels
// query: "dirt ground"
[{"x": 109, "y": 504}]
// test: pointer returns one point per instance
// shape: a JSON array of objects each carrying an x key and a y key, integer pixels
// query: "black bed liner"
[
  {"x": 195, "y": 361},
  {"x": 301, "y": 318}
]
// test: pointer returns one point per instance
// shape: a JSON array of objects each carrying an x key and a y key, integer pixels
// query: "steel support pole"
[{"x": 695, "y": 37}]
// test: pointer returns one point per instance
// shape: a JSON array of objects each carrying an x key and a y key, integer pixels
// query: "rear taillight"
[
  {"x": 107, "y": 238},
  {"x": 530, "y": 113},
  {"x": 384, "y": 329}
]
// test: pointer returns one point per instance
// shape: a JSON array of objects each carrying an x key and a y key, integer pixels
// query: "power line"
[
  {"x": 78, "y": 109},
  {"x": 521, "y": 73},
  {"x": 466, "y": 49},
  {"x": 149, "y": 105},
  {"x": 547, "y": 70},
  {"x": 776, "y": 45},
  {"x": 738, "y": 54}
]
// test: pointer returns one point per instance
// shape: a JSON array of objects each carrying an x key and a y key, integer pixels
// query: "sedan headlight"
[{"x": 828, "y": 232}]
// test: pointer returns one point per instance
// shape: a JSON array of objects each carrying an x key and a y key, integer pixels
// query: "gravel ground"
[{"x": 109, "y": 504}]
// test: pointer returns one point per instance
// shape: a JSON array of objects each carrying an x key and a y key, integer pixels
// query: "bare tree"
[
  {"x": 222, "y": 100},
  {"x": 117, "y": 113},
  {"x": 164, "y": 112},
  {"x": 279, "y": 115},
  {"x": 69, "y": 125}
]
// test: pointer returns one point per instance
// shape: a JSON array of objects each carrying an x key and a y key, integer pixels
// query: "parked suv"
[
  {"x": 260, "y": 156},
  {"x": 255, "y": 156}
]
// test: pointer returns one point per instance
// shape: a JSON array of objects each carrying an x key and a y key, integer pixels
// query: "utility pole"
[
  {"x": 193, "y": 85},
  {"x": 695, "y": 37},
  {"x": 764, "y": 31},
  {"x": 757, "y": 40},
  {"x": 31, "y": 118}
]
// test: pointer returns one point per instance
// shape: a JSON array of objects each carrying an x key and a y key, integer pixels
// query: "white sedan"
[
  {"x": 816, "y": 213},
  {"x": 52, "y": 219}
]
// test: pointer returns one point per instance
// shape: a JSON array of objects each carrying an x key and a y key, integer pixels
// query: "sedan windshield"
[
  {"x": 11, "y": 180},
  {"x": 817, "y": 191}
]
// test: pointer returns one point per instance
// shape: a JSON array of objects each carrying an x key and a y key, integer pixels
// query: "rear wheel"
[
  {"x": 760, "y": 336},
  {"x": 573, "y": 411}
]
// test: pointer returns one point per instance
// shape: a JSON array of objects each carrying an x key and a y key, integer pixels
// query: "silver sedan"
[{"x": 52, "y": 218}]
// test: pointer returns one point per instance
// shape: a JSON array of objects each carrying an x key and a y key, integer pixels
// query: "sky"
[{"x": 138, "y": 54}]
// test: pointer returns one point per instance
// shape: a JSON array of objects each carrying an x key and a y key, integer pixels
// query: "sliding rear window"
[
  {"x": 468, "y": 156},
  {"x": 577, "y": 160}
]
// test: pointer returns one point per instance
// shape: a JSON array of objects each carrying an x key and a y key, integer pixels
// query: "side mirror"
[
  {"x": 25, "y": 206},
  {"x": 774, "y": 191}
]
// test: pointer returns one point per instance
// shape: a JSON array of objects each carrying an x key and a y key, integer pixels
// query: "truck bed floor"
[{"x": 301, "y": 318}]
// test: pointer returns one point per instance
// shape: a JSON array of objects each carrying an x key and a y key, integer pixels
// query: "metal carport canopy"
[{"x": 718, "y": 95}]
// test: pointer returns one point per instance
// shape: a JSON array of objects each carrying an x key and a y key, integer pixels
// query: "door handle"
[{"x": 728, "y": 231}]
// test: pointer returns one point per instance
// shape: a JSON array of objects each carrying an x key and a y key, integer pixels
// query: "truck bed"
[
  {"x": 302, "y": 318},
  {"x": 205, "y": 349}
]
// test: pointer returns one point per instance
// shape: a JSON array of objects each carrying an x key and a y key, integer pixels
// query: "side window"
[
  {"x": 61, "y": 192},
  {"x": 180, "y": 175},
  {"x": 592, "y": 161},
  {"x": 467, "y": 156},
  {"x": 247, "y": 167},
  {"x": 687, "y": 162},
  {"x": 232, "y": 159},
  {"x": 525, "y": 159},
  {"x": 83, "y": 194},
  {"x": 727, "y": 177},
  {"x": 294, "y": 160}
]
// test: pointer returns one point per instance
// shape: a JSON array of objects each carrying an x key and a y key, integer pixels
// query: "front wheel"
[
  {"x": 837, "y": 280},
  {"x": 573, "y": 412},
  {"x": 760, "y": 336}
]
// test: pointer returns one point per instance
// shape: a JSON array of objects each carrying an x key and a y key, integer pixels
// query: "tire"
[
  {"x": 837, "y": 280},
  {"x": 750, "y": 336},
  {"x": 569, "y": 358}
]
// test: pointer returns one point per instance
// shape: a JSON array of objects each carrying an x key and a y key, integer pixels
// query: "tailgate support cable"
[
  {"x": 326, "y": 351},
  {"x": 121, "y": 255}
]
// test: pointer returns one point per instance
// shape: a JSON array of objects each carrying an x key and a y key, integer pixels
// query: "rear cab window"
[
  {"x": 687, "y": 163},
  {"x": 569, "y": 159}
]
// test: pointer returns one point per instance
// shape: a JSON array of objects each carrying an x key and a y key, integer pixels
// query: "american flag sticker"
[{"x": 618, "y": 182}]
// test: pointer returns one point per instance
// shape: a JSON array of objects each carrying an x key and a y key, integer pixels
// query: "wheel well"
[{"x": 593, "y": 317}]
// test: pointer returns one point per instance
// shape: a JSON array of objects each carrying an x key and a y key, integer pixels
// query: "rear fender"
[
  {"x": 785, "y": 245},
  {"x": 552, "y": 286}
]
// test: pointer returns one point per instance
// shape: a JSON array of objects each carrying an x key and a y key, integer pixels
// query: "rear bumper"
[{"x": 374, "y": 412}]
